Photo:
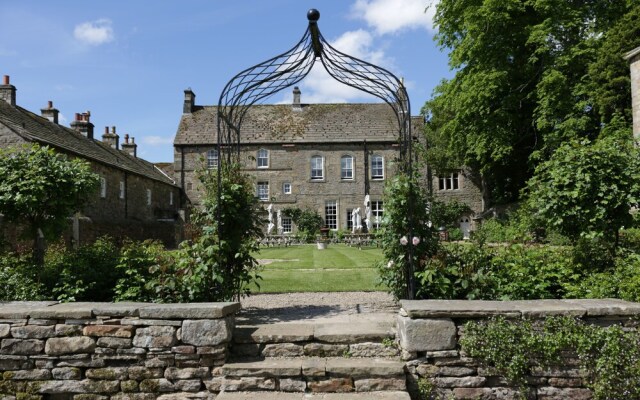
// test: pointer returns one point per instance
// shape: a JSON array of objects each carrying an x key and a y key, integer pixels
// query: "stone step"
[
  {"x": 396, "y": 395},
  {"x": 322, "y": 339},
  {"x": 311, "y": 375}
]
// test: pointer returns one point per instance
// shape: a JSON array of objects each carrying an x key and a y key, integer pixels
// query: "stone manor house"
[
  {"x": 135, "y": 198},
  {"x": 324, "y": 157}
]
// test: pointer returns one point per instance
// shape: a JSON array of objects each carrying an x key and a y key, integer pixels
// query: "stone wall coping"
[
  {"x": 87, "y": 310},
  {"x": 521, "y": 308}
]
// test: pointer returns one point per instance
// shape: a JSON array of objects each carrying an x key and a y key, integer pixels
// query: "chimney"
[
  {"x": 111, "y": 138},
  {"x": 130, "y": 148},
  {"x": 50, "y": 113},
  {"x": 296, "y": 99},
  {"x": 82, "y": 124},
  {"x": 8, "y": 91},
  {"x": 189, "y": 101}
]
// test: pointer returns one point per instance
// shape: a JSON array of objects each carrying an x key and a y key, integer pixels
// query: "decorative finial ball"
[{"x": 313, "y": 15}]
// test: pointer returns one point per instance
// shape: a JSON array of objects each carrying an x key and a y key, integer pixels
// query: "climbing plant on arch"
[{"x": 261, "y": 81}]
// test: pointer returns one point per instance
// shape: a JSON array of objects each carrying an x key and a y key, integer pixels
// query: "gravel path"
[{"x": 314, "y": 305}]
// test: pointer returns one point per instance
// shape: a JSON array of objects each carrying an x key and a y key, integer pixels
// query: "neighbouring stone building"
[
  {"x": 634, "y": 62},
  {"x": 326, "y": 157},
  {"x": 135, "y": 199}
]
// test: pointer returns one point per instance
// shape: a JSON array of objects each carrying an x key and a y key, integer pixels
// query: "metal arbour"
[{"x": 285, "y": 70}]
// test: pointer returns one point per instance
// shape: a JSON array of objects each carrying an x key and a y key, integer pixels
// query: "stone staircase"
[{"x": 354, "y": 358}]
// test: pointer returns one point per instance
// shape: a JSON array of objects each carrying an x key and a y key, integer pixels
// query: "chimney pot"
[
  {"x": 50, "y": 112},
  {"x": 126, "y": 138},
  {"x": 113, "y": 130},
  {"x": 77, "y": 116},
  {"x": 133, "y": 140},
  {"x": 6, "y": 80},
  {"x": 50, "y": 104}
]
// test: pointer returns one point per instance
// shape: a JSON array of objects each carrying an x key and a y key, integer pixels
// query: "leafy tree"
[
  {"x": 218, "y": 264},
  {"x": 43, "y": 188},
  {"x": 307, "y": 221},
  {"x": 526, "y": 78},
  {"x": 404, "y": 202},
  {"x": 587, "y": 189}
]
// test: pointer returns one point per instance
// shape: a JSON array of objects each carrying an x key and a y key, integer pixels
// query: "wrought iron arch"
[{"x": 285, "y": 70}]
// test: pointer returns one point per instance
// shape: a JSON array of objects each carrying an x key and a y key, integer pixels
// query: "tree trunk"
[{"x": 39, "y": 246}]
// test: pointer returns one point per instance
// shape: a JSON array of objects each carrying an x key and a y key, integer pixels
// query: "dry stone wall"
[
  {"x": 106, "y": 350},
  {"x": 429, "y": 332}
]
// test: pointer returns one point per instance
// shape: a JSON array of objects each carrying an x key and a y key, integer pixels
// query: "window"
[
  {"x": 286, "y": 188},
  {"x": 317, "y": 167},
  {"x": 148, "y": 197},
  {"x": 263, "y": 158},
  {"x": 103, "y": 187},
  {"x": 170, "y": 198},
  {"x": 189, "y": 186},
  {"x": 331, "y": 214},
  {"x": 121, "y": 189},
  {"x": 346, "y": 167},
  {"x": 349, "y": 219},
  {"x": 449, "y": 182},
  {"x": 286, "y": 225},
  {"x": 263, "y": 191},
  {"x": 377, "y": 167},
  {"x": 212, "y": 159},
  {"x": 377, "y": 209}
]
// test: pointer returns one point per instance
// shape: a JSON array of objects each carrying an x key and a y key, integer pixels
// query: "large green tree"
[
  {"x": 42, "y": 188},
  {"x": 587, "y": 189},
  {"x": 528, "y": 77}
]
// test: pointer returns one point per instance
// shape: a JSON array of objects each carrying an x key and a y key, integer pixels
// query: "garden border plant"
[{"x": 608, "y": 356}]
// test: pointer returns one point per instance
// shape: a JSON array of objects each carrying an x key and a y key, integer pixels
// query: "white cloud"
[
  {"x": 94, "y": 33},
  {"x": 152, "y": 140},
  {"x": 391, "y": 16}
]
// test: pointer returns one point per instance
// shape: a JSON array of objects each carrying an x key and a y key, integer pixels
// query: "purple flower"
[
  {"x": 404, "y": 241},
  {"x": 415, "y": 241}
]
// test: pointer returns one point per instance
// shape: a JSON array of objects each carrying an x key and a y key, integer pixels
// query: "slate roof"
[
  {"x": 315, "y": 123},
  {"x": 35, "y": 128}
]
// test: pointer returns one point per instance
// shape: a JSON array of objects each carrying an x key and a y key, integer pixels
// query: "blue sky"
[{"x": 128, "y": 62}]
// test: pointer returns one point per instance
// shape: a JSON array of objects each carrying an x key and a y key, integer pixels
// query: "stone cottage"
[
  {"x": 135, "y": 199},
  {"x": 325, "y": 157}
]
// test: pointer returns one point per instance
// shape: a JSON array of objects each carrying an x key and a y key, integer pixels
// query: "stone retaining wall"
[
  {"x": 429, "y": 333},
  {"x": 86, "y": 351}
]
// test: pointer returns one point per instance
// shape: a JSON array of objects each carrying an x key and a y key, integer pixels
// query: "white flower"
[
  {"x": 415, "y": 241},
  {"x": 390, "y": 264},
  {"x": 404, "y": 241}
]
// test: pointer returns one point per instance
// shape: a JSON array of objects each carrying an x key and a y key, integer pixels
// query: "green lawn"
[{"x": 306, "y": 269}]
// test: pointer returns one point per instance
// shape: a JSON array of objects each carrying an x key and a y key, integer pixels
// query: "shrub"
[
  {"x": 86, "y": 274},
  {"x": 19, "y": 277}
]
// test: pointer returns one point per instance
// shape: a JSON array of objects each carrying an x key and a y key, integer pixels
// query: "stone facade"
[
  {"x": 634, "y": 60},
  {"x": 288, "y": 137},
  {"x": 135, "y": 198}
]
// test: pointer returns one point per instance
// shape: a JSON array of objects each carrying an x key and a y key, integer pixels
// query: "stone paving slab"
[
  {"x": 79, "y": 310},
  {"x": 274, "y": 333},
  {"x": 363, "y": 331},
  {"x": 189, "y": 310},
  {"x": 21, "y": 309},
  {"x": 266, "y": 368},
  {"x": 531, "y": 308},
  {"x": 314, "y": 396}
]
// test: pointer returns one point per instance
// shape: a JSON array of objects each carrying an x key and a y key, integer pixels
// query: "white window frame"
[
  {"x": 377, "y": 212},
  {"x": 315, "y": 169},
  {"x": 262, "y": 158},
  {"x": 375, "y": 167},
  {"x": 148, "y": 197},
  {"x": 287, "y": 225},
  {"x": 346, "y": 172},
  {"x": 122, "y": 190},
  {"x": 171, "y": 198},
  {"x": 103, "y": 187},
  {"x": 262, "y": 190},
  {"x": 449, "y": 182},
  {"x": 349, "y": 219},
  {"x": 331, "y": 214},
  {"x": 287, "y": 188},
  {"x": 213, "y": 159}
]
